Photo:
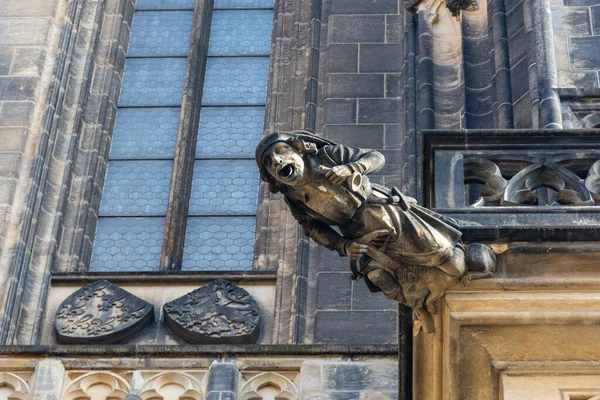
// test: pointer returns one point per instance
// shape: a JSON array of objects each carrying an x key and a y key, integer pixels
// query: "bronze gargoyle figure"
[{"x": 409, "y": 252}]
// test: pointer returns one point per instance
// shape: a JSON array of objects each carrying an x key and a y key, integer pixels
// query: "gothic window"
[{"x": 181, "y": 184}]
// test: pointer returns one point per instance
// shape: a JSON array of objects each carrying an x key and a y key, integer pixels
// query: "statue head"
[
  {"x": 281, "y": 158},
  {"x": 415, "y": 290}
]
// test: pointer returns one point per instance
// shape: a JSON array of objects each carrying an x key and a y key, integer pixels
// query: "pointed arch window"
[{"x": 181, "y": 184}]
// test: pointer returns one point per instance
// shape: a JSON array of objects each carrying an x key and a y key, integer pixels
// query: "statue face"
[
  {"x": 415, "y": 293},
  {"x": 285, "y": 164}
]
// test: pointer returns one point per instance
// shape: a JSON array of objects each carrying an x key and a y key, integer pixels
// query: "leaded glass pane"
[
  {"x": 160, "y": 33},
  {"x": 243, "y": 4},
  {"x": 127, "y": 244},
  {"x": 229, "y": 131},
  {"x": 166, "y": 4},
  {"x": 136, "y": 188},
  {"x": 235, "y": 80},
  {"x": 219, "y": 243},
  {"x": 240, "y": 32},
  {"x": 145, "y": 133},
  {"x": 153, "y": 82},
  {"x": 225, "y": 187}
]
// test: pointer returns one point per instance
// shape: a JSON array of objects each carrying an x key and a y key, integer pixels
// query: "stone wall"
[
  {"x": 576, "y": 26},
  {"x": 203, "y": 376},
  {"x": 359, "y": 104}
]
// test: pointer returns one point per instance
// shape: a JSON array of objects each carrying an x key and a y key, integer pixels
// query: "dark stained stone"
[
  {"x": 342, "y": 58},
  {"x": 340, "y": 111},
  {"x": 584, "y": 52},
  {"x": 218, "y": 313},
  {"x": 381, "y": 58},
  {"x": 356, "y": 85},
  {"x": 102, "y": 313},
  {"x": 379, "y": 111},
  {"x": 370, "y": 136},
  {"x": 364, "y": 7},
  {"x": 357, "y": 28},
  {"x": 334, "y": 291},
  {"x": 355, "y": 327}
]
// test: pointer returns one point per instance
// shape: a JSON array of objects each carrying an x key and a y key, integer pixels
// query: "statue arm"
[
  {"x": 364, "y": 161},
  {"x": 318, "y": 231},
  {"x": 325, "y": 236}
]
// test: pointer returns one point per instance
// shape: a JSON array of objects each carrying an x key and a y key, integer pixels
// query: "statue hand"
[
  {"x": 355, "y": 250},
  {"x": 337, "y": 174}
]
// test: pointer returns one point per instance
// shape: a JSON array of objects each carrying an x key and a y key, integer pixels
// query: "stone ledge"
[
  {"x": 68, "y": 278},
  {"x": 511, "y": 234},
  {"x": 198, "y": 350}
]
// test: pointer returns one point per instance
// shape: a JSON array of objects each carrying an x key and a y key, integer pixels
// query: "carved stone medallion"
[
  {"x": 218, "y": 313},
  {"x": 102, "y": 313}
]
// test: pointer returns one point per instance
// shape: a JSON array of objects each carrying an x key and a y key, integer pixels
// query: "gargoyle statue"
[{"x": 409, "y": 252}]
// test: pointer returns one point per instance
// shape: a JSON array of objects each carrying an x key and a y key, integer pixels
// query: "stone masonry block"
[
  {"x": 7, "y": 190},
  {"x": 381, "y": 58},
  {"x": 334, "y": 291},
  {"x": 394, "y": 136},
  {"x": 15, "y": 113},
  {"x": 10, "y": 164},
  {"x": 378, "y": 395},
  {"x": 356, "y": 29},
  {"x": 368, "y": 136},
  {"x": 340, "y": 111},
  {"x": 364, "y": 6},
  {"x": 29, "y": 8},
  {"x": 519, "y": 80},
  {"x": 379, "y": 110},
  {"x": 582, "y": 2},
  {"x": 517, "y": 47},
  {"x": 567, "y": 21},
  {"x": 12, "y": 139},
  {"x": 394, "y": 85},
  {"x": 394, "y": 29},
  {"x": 363, "y": 299},
  {"x": 6, "y": 55},
  {"x": 17, "y": 88},
  {"x": 355, "y": 327},
  {"x": 584, "y": 52},
  {"x": 18, "y": 31},
  {"x": 514, "y": 20},
  {"x": 28, "y": 61},
  {"x": 223, "y": 376},
  {"x": 359, "y": 376},
  {"x": 355, "y": 85},
  {"x": 595, "y": 19},
  {"x": 342, "y": 58}
]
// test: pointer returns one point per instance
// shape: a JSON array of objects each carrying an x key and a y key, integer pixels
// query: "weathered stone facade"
[{"x": 507, "y": 93}]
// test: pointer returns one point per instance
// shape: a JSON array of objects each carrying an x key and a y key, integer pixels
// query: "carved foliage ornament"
[
  {"x": 217, "y": 313},
  {"x": 102, "y": 313}
]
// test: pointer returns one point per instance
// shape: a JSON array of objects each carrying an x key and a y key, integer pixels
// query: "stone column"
[
  {"x": 223, "y": 377},
  {"x": 48, "y": 380}
]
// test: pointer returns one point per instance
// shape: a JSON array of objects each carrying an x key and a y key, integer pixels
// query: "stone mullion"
[{"x": 183, "y": 168}]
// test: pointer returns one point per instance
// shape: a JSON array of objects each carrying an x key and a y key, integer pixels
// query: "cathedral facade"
[{"x": 142, "y": 257}]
